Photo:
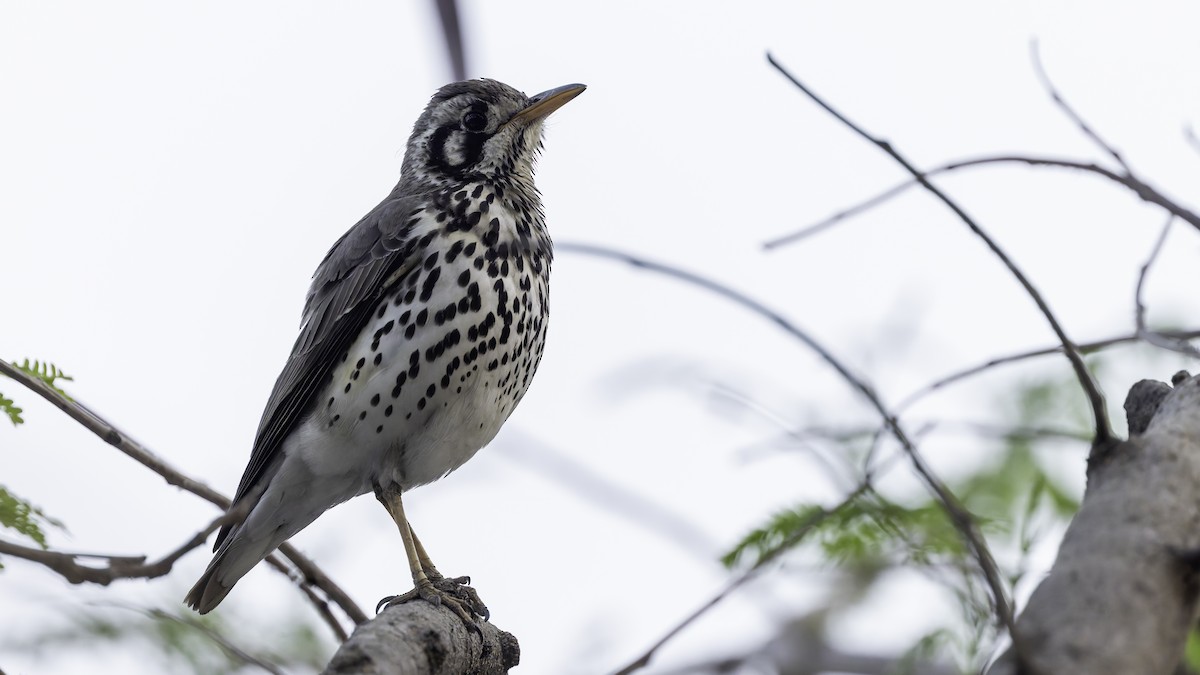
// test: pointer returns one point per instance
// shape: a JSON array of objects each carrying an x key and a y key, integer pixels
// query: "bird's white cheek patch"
[{"x": 453, "y": 151}]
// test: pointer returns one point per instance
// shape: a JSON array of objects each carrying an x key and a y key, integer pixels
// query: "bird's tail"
[
  {"x": 289, "y": 502},
  {"x": 237, "y": 555},
  {"x": 239, "y": 549},
  {"x": 208, "y": 591}
]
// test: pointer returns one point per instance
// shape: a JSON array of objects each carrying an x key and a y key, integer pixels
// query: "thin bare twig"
[
  {"x": 962, "y": 519},
  {"x": 221, "y": 641},
  {"x": 310, "y": 574},
  {"x": 66, "y": 564},
  {"x": 1143, "y": 190},
  {"x": 1189, "y": 135},
  {"x": 280, "y": 564},
  {"x": 835, "y": 470},
  {"x": 1067, "y": 110},
  {"x": 737, "y": 582},
  {"x": 1154, "y": 337},
  {"x": 952, "y": 425},
  {"x": 1084, "y": 348},
  {"x": 825, "y": 224},
  {"x": 1103, "y": 429}
]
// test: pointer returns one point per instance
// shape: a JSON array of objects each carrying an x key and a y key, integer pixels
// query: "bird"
[{"x": 421, "y": 331}]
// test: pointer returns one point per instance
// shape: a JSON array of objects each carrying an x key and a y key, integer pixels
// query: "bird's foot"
[{"x": 453, "y": 592}]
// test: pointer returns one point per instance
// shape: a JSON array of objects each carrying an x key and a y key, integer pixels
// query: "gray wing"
[{"x": 345, "y": 288}]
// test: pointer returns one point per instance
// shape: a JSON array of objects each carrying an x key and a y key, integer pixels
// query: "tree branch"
[
  {"x": 309, "y": 574},
  {"x": 118, "y": 567},
  {"x": 801, "y": 648},
  {"x": 1085, "y": 348},
  {"x": 1151, "y": 336},
  {"x": 1122, "y": 595},
  {"x": 1143, "y": 190},
  {"x": 417, "y": 638},
  {"x": 1103, "y": 429},
  {"x": 226, "y": 644},
  {"x": 1070, "y": 112},
  {"x": 1189, "y": 135},
  {"x": 959, "y": 516},
  {"x": 737, "y": 582}
]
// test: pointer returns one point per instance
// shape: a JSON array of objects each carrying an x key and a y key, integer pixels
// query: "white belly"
[{"x": 444, "y": 360}]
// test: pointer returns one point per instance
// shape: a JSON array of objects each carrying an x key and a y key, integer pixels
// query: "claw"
[
  {"x": 454, "y": 593},
  {"x": 384, "y": 603}
]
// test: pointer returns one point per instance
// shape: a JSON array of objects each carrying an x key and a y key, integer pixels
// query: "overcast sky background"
[{"x": 172, "y": 173}]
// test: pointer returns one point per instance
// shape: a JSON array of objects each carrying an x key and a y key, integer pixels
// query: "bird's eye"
[{"x": 474, "y": 121}]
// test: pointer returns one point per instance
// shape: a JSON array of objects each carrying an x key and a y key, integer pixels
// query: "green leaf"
[
  {"x": 1191, "y": 653},
  {"x": 768, "y": 538},
  {"x": 8, "y": 407},
  {"x": 928, "y": 649},
  {"x": 863, "y": 532},
  {"x": 25, "y": 518},
  {"x": 173, "y": 642},
  {"x": 46, "y": 372}
]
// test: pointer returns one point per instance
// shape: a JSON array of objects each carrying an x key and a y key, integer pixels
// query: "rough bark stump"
[
  {"x": 1122, "y": 595},
  {"x": 417, "y": 638}
]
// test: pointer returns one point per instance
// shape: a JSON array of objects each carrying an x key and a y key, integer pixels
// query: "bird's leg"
[
  {"x": 423, "y": 558},
  {"x": 459, "y": 586},
  {"x": 453, "y": 593}
]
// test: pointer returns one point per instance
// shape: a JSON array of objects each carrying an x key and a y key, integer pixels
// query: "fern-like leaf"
[
  {"x": 863, "y": 531},
  {"x": 46, "y": 372},
  {"x": 24, "y": 518},
  {"x": 774, "y": 534},
  {"x": 9, "y": 407}
]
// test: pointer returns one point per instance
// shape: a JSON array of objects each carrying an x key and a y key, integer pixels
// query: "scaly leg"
[
  {"x": 459, "y": 586},
  {"x": 429, "y": 584},
  {"x": 423, "y": 558}
]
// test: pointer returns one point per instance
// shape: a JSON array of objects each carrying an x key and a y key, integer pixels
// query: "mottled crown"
[{"x": 468, "y": 132}]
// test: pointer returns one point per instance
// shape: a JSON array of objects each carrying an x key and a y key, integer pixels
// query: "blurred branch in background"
[
  {"x": 612, "y": 498},
  {"x": 233, "y": 650},
  {"x": 812, "y": 520},
  {"x": 1189, "y": 135},
  {"x": 181, "y": 642},
  {"x": 961, "y": 518},
  {"x": 800, "y": 647},
  {"x": 452, "y": 32}
]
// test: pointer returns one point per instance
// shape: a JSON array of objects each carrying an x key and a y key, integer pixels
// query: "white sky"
[{"x": 171, "y": 174}]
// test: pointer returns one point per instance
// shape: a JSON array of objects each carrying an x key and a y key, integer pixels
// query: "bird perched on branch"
[{"x": 422, "y": 329}]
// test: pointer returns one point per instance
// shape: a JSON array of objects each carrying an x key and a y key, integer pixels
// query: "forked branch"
[{"x": 1103, "y": 430}]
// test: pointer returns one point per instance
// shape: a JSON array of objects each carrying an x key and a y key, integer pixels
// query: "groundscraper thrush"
[{"x": 422, "y": 329}]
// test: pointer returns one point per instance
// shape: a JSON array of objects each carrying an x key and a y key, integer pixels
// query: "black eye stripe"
[
  {"x": 473, "y": 147},
  {"x": 468, "y": 143},
  {"x": 437, "y": 147}
]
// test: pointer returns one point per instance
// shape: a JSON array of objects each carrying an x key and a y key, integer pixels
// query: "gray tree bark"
[
  {"x": 418, "y": 638},
  {"x": 1122, "y": 595}
]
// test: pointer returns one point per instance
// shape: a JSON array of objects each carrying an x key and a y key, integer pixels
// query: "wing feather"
[{"x": 345, "y": 288}]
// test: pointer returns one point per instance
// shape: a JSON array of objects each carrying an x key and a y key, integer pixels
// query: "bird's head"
[{"x": 480, "y": 128}]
